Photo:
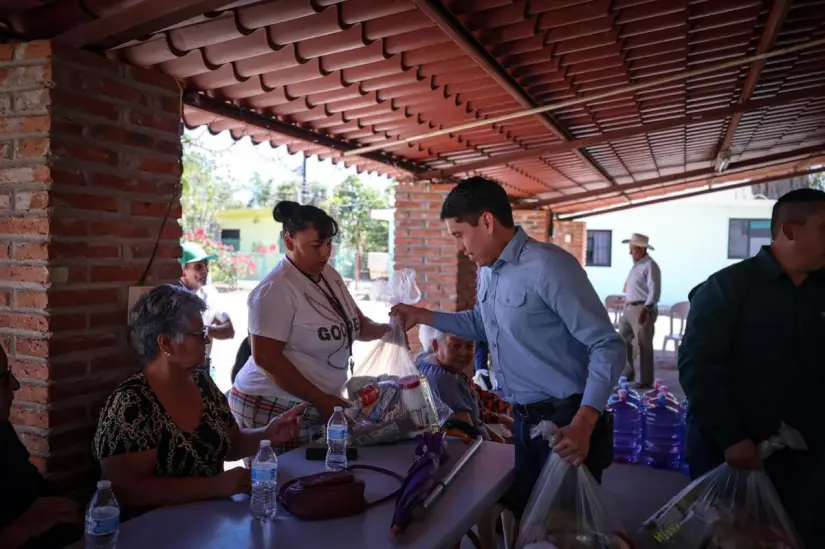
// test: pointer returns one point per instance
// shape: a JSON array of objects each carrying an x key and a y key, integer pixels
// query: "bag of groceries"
[
  {"x": 566, "y": 509},
  {"x": 729, "y": 508},
  {"x": 390, "y": 399}
]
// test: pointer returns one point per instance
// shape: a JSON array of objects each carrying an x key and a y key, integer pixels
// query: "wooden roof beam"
[
  {"x": 772, "y": 26},
  {"x": 136, "y": 21}
]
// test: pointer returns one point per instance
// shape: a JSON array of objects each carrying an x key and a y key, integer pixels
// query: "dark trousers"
[
  {"x": 532, "y": 453},
  {"x": 798, "y": 476}
]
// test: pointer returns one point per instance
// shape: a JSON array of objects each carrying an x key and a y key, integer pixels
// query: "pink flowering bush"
[{"x": 229, "y": 266}]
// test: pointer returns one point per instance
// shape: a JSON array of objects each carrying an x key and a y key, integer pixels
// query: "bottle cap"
[
  {"x": 622, "y": 394},
  {"x": 103, "y": 485},
  {"x": 658, "y": 383},
  {"x": 622, "y": 379},
  {"x": 338, "y": 409},
  {"x": 624, "y": 385},
  {"x": 662, "y": 398},
  {"x": 265, "y": 443}
]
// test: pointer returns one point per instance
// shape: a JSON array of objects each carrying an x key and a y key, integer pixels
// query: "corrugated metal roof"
[{"x": 368, "y": 72}]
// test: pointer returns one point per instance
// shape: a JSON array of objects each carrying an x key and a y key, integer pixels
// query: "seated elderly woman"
[
  {"x": 165, "y": 433},
  {"x": 444, "y": 362}
]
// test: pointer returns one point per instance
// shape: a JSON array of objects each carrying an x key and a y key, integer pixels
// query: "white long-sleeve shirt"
[{"x": 644, "y": 283}]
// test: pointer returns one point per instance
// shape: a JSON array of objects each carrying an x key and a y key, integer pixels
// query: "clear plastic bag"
[
  {"x": 566, "y": 509},
  {"x": 390, "y": 399},
  {"x": 400, "y": 288},
  {"x": 729, "y": 508}
]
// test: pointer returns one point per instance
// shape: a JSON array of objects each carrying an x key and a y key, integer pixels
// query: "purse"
[{"x": 331, "y": 494}]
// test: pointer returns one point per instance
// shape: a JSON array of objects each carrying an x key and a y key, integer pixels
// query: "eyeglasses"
[{"x": 200, "y": 333}]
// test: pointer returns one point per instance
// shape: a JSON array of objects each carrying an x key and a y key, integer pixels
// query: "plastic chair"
[
  {"x": 678, "y": 311},
  {"x": 615, "y": 307}
]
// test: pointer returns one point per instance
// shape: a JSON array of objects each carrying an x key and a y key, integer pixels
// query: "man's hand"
[
  {"x": 573, "y": 441},
  {"x": 235, "y": 481},
  {"x": 743, "y": 455},
  {"x": 507, "y": 421},
  {"x": 410, "y": 316},
  {"x": 643, "y": 315}
]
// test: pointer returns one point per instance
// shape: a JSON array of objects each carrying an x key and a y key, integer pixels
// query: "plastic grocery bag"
[
  {"x": 390, "y": 399},
  {"x": 729, "y": 508},
  {"x": 400, "y": 288},
  {"x": 566, "y": 509}
]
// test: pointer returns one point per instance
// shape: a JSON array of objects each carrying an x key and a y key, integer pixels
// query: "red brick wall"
[
  {"x": 572, "y": 236},
  {"x": 89, "y": 161},
  {"x": 534, "y": 222}
]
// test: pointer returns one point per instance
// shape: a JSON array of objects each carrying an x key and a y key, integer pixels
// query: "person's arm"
[
  {"x": 221, "y": 329},
  {"x": 566, "y": 289},
  {"x": 370, "y": 330},
  {"x": 126, "y": 445},
  {"x": 654, "y": 285},
  {"x": 705, "y": 369},
  {"x": 466, "y": 324}
]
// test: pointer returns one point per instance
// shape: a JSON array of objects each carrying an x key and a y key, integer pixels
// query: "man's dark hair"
[
  {"x": 795, "y": 207},
  {"x": 475, "y": 196}
]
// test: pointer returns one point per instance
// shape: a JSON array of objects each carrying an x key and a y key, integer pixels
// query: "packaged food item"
[{"x": 729, "y": 508}]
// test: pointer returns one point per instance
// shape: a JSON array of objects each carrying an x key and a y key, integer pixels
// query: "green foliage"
[
  {"x": 205, "y": 190},
  {"x": 350, "y": 206},
  {"x": 229, "y": 265},
  {"x": 266, "y": 193}
]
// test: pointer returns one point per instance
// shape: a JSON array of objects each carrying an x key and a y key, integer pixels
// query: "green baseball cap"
[{"x": 193, "y": 252}]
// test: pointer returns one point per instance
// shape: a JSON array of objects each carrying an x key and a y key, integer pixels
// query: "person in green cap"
[{"x": 194, "y": 277}]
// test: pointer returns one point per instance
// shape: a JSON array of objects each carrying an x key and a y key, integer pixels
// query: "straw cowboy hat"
[{"x": 639, "y": 240}]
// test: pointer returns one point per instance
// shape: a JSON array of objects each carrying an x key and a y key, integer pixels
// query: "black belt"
[
  {"x": 546, "y": 407},
  {"x": 634, "y": 303}
]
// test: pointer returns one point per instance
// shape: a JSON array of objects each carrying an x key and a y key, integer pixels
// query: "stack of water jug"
[{"x": 648, "y": 428}]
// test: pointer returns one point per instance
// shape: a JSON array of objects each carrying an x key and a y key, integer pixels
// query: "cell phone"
[{"x": 319, "y": 453}]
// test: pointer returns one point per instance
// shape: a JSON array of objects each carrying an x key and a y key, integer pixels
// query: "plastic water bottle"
[
  {"x": 684, "y": 466},
  {"x": 627, "y": 429},
  {"x": 102, "y": 518},
  {"x": 663, "y": 435},
  {"x": 264, "y": 482},
  {"x": 337, "y": 441},
  {"x": 649, "y": 397},
  {"x": 632, "y": 395}
]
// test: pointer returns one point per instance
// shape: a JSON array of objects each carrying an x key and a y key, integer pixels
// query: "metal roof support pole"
[{"x": 766, "y": 42}]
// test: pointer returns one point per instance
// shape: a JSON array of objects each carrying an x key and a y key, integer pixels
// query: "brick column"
[
  {"x": 90, "y": 159},
  {"x": 535, "y": 223},
  {"x": 572, "y": 236}
]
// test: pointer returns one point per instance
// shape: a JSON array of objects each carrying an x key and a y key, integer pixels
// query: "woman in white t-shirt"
[{"x": 302, "y": 325}]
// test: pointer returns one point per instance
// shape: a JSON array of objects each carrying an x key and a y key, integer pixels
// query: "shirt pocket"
[{"x": 511, "y": 305}]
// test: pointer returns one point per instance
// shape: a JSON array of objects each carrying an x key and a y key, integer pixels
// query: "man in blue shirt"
[{"x": 556, "y": 355}]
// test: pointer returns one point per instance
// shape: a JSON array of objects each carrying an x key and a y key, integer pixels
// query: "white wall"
[{"x": 690, "y": 237}]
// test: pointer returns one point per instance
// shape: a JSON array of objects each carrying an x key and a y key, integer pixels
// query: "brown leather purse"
[{"x": 330, "y": 495}]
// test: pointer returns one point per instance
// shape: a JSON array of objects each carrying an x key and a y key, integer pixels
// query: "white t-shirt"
[{"x": 289, "y": 307}]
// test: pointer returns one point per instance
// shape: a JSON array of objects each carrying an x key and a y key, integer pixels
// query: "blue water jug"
[
  {"x": 627, "y": 429},
  {"x": 684, "y": 465},
  {"x": 632, "y": 395},
  {"x": 663, "y": 435}
]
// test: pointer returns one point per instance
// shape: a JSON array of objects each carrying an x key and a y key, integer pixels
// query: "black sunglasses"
[{"x": 200, "y": 333}]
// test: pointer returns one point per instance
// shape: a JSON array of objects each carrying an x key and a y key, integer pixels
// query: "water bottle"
[
  {"x": 649, "y": 397},
  {"x": 627, "y": 429},
  {"x": 663, "y": 435},
  {"x": 102, "y": 518},
  {"x": 632, "y": 395},
  {"x": 337, "y": 441},
  {"x": 685, "y": 466},
  {"x": 264, "y": 482}
]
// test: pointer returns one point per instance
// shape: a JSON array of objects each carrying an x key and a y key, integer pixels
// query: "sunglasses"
[{"x": 200, "y": 333}]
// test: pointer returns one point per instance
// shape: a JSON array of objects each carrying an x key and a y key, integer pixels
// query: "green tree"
[
  {"x": 818, "y": 181},
  {"x": 350, "y": 205},
  {"x": 205, "y": 190},
  {"x": 262, "y": 191}
]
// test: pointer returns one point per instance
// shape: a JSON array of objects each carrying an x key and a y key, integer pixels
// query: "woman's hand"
[
  {"x": 286, "y": 426},
  {"x": 235, "y": 481}
]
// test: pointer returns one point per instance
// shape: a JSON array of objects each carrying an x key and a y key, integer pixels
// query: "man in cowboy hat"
[
  {"x": 194, "y": 277},
  {"x": 642, "y": 291}
]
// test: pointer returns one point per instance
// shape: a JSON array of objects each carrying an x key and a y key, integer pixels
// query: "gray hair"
[
  {"x": 165, "y": 310},
  {"x": 428, "y": 334}
]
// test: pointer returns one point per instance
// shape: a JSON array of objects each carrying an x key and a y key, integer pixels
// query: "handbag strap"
[{"x": 383, "y": 471}]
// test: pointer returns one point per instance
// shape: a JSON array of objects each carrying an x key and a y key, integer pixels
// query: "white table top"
[{"x": 228, "y": 524}]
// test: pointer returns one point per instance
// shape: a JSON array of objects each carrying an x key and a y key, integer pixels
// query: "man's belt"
[{"x": 546, "y": 407}]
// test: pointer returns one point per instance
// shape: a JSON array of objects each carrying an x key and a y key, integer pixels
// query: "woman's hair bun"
[{"x": 285, "y": 210}]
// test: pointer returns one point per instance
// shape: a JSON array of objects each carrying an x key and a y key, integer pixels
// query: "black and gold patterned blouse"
[{"x": 134, "y": 420}]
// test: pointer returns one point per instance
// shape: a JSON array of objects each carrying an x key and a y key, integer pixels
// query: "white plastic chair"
[
  {"x": 615, "y": 307},
  {"x": 678, "y": 311}
]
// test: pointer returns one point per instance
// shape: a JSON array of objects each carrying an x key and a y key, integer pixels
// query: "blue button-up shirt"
[{"x": 549, "y": 333}]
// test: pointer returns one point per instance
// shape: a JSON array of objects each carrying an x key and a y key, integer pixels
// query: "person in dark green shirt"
[{"x": 751, "y": 358}]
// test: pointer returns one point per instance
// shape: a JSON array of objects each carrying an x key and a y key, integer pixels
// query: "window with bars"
[
  {"x": 747, "y": 236},
  {"x": 599, "y": 248}
]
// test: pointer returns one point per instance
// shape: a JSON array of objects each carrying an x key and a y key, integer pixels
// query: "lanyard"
[{"x": 337, "y": 306}]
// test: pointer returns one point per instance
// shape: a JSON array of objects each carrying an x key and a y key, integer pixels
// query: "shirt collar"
[
  {"x": 768, "y": 263},
  {"x": 513, "y": 248}
]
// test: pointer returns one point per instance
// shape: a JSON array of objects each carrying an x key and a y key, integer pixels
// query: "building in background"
[
  {"x": 253, "y": 232},
  {"x": 692, "y": 237}
]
